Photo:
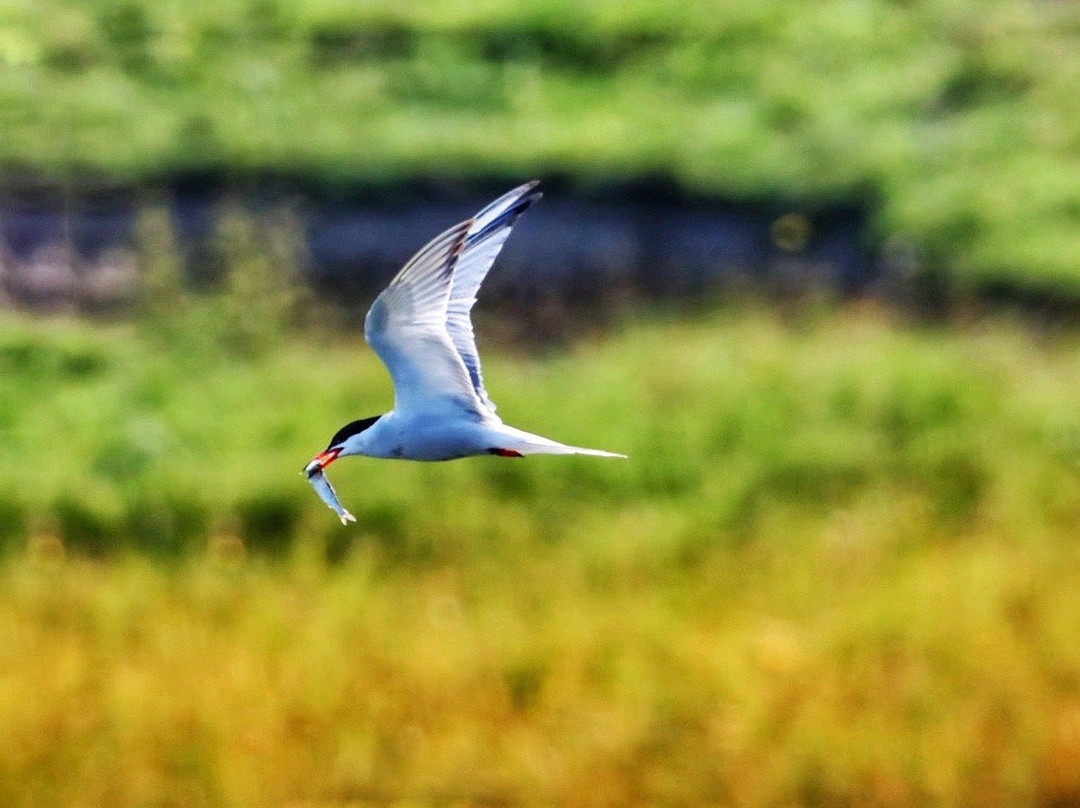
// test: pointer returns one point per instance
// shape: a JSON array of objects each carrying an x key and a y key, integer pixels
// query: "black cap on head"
[{"x": 350, "y": 429}]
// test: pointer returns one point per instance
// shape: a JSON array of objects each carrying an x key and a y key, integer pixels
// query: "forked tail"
[{"x": 518, "y": 442}]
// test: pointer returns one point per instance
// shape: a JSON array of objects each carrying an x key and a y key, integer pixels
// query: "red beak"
[{"x": 321, "y": 461}]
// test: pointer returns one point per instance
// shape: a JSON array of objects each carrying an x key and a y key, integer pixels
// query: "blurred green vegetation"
[
  {"x": 957, "y": 118},
  {"x": 839, "y": 567},
  {"x": 188, "y": 425},
  {"x": 189, "y": 421}
]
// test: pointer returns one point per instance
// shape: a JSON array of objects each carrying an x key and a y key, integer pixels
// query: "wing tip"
[
  {"x": 521, "y": 199},
  {"x": 528, "y": 194}
]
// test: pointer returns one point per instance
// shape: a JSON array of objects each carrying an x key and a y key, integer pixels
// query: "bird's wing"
[
  {"x": 406, "y": 327},
  {"x": 485, "y": 239}
]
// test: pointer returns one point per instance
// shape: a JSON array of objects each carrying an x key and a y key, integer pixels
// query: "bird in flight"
[{"x": 421, "y": 329}]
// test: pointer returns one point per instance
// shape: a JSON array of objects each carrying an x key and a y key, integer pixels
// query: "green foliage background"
[
  {"x": 839, "y": 567},
  {"x": 955, "y": 118}
]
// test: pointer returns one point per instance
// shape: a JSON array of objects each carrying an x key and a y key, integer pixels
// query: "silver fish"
[{"x": 328, "y": 495}]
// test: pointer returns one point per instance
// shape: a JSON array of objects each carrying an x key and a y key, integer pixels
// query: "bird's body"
[
  {"x": 421, "y": 329},
  {"x": 450, "y": 435}
]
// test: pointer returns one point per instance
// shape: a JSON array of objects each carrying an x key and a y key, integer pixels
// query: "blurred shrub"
[
  {"x": 127, "y": 29},
  {"x": 510, "y": 480},
  {"x": 261, "y": 261},
  {"x": 13, "y": 524},
  {"x": 198, "y": 142},
  {"x": 24, "y": 357},
  {"x": 83, "y": 363},
  {"x": 957, "y": 484},
  {"x": 553, "y": 43},
  {"x": 442, "y": 78},
  {"x": 382, "y": 527},
  {"x": 813, "y": 482},
  {"x": 84, "y": 529},
  {"x": 255, "y": 290},
  {"x": 338, "y": 545},
  {"x": 165, "y": 524},
  {"x": 264, "y": 21},
  {"x": 71, "y": 52},
  {"x": 389, "y": 533},
  {"x": 336, "y": 43},
  {"x": 916, "y": 407},
  {"x": 122, "y": 459},
  {"x": 976, "y": 81},
  {"x": 525, "y": 683},
  {"x": 162, "y": 289},
  {"x": 36, "y": 360},
  {"x": 387, "y": 525},
  {"x": 267, "y": 522}
]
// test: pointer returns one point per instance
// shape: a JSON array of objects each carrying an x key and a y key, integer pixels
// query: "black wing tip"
[
  {"x": 526, "y": 195},
  {"x": 508, "y": 217},
  {"x": 524, "y": 203}
]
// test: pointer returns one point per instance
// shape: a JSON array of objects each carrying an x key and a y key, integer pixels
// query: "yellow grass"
[{"x": 807, "y": 670}]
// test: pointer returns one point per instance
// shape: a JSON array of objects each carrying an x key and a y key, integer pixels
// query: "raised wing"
[
  {"x": 484, "y": 240},
  {"x": 406, "y": 327}
]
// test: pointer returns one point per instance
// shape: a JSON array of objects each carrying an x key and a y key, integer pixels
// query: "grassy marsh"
[{"x": 839, "y": 567}]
